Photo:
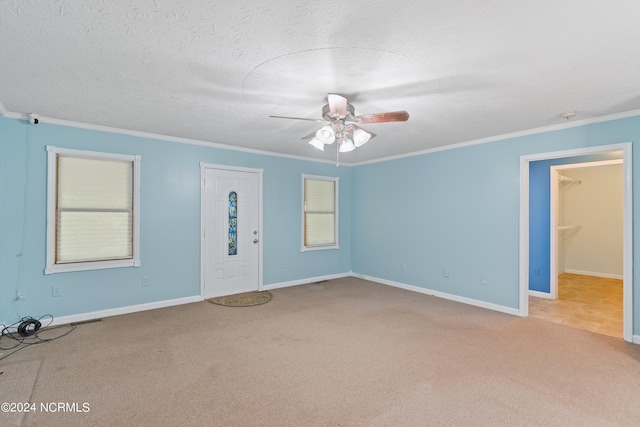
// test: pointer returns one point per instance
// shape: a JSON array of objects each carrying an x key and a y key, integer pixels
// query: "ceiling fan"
[{"x": 344, "y": 126}]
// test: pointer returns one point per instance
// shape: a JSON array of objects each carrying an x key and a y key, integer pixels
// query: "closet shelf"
[
  {"x": 567, "y": 231},
  {"x": 566, "y": 179}
]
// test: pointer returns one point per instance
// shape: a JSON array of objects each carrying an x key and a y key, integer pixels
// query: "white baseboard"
[
  {"x": 304, "y": 281},
  {"x": 594, "y": 273},
  {"x": 636, "y": 339},
  {"x": 464, "y": 300},
  {"x": 539, "y": 294},
  {"x": 83, "y": 317}
]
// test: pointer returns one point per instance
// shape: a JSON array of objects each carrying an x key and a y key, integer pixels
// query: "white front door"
[{"x": 231, "y": 234}]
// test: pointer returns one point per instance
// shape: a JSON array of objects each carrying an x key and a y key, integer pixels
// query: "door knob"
[{"x": 255, "y": 240}]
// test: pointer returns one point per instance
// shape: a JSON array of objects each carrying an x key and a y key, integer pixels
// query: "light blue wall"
[
  {"x": 452, "y": 210},
  {"x": 459, "y": 210},
  {"x": 539, "y": 217},
  {"x": 402, "y": 220},
  {"x": 169, "y": 228}
]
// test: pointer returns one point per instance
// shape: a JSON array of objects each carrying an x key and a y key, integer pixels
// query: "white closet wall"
[{"x": 595, "y": 204}]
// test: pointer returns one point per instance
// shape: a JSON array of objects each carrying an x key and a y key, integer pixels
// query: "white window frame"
[
  {"x": 335, "y": 245},
  {"x": 51, "y": 266}
]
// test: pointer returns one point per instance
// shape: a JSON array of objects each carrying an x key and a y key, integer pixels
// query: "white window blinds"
[
  {"x": 320, "y": 212},
  {"x": 92, "y": 210},
  {"x": 95, "y": 210}
]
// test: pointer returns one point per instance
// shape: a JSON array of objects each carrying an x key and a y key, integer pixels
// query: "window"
[
  {"x": 233, "y": 223},
  {"x": 92, "y": 210},
  {"x": 320, "y": 213}
]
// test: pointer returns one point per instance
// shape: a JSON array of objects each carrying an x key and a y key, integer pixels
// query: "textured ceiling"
[{"x": 215, "y": 70}]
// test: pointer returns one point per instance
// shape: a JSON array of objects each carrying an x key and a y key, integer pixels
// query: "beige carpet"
[
  {"x": 17, "y": 380},
  {"x": 342, "y": 353}
]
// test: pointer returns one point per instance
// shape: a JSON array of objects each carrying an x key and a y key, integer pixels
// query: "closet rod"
[{"x": 566, "y": 179}]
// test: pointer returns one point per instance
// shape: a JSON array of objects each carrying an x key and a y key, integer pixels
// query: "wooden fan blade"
[
  {"x": 394, "y": 116},
  {"x": 298, "y": 118},
  {"x": 337, "y": 105}
]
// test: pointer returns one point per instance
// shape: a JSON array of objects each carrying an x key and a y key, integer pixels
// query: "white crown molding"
[
  {"x": 176, "y": 139},
  {"x": 560, "y": 126},
  {"x": 6, "y": 113},
  {"x": 80, "y": 125},
  {"x": 534, "y": 131}
]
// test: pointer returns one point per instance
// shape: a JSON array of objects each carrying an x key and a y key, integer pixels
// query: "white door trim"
[
  {"x": 203, "y": 167},
  {"x": 626, "y": 149}
]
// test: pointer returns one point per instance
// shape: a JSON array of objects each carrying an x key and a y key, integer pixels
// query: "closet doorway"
[
  {"x": 586, "y": 248},
  {"x": 527, "y": 271}
]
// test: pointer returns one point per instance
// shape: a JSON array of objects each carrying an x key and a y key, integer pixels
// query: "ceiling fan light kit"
[
  {"x": 326, "y": 135},
  {"x": 360, "y": 137},
  {"x": 346, "y": 145},
  {"x": 342, "y": 127},
  {"x": 317, "y": 143}
]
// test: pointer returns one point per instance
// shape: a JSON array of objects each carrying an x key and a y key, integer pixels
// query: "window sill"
[
  {"x": 318, "y": 248},
  {"x": 96, "y": 265}
]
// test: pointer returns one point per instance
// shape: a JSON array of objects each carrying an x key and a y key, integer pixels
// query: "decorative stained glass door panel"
[
  {"x": 231, "y": 233},
  {"x": 233, "y": 223}
]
